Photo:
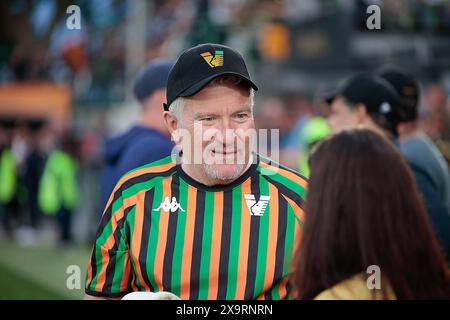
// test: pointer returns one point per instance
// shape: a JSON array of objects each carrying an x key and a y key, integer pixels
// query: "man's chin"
[{"x": 224, "y": 172}]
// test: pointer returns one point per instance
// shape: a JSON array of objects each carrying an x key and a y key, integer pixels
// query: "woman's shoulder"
[{"x": 355, "y": 288}]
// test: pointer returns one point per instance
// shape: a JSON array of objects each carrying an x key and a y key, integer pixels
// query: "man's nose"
[{"x": 226, "y": 131}]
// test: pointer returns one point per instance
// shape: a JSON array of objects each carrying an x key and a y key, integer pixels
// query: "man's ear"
[{"x": 171, "y": 123}]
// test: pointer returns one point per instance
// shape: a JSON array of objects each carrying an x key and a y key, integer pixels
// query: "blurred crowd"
[{"x": 50, "y": 174}]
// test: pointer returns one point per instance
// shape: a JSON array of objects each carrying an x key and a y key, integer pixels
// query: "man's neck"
[
  {"x": 153, "y": 121},
  {"x": 407, "y": 130}
]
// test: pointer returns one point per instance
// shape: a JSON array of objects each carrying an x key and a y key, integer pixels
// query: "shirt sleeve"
[{"x": 109, "y": 269}]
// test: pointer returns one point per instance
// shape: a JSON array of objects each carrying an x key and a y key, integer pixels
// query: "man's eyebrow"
[
  {"x": 212, "y": 114},
  {"x": 205, "y": 114},
  {"x": 243, "y": 109}
]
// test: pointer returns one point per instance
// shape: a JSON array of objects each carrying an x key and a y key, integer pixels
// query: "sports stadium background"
[{"x": 72, "y": 88}]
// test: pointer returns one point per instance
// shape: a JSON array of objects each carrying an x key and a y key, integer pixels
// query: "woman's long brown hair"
[{"x": 363, "y": 209}]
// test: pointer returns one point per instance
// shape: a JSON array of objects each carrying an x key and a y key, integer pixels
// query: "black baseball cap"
[
  {"x": 407, "y": 88},
  {"x": 152, "y": 77},
  {"x": 378, "y": 96},
  {"x": 199, "y": 65}
]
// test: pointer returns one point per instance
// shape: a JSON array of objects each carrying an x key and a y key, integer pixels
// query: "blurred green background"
[{"x": 39, "y": 272}]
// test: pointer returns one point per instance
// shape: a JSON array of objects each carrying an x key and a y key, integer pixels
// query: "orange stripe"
[
  {"x": 126, "y": 272},
  {"x": 133, "y": 283},
  {"x": 137, "y": 238},
  {"x": 188, "y": 243},
  {"x": 89, "y": 270},
  {"x": 215, "y": 248},
  {"x": 244, "y": 240},
  {"x": 105, "y": 255},
  {"x": 272, "y": 240},
  {"x": 287, "y": 174},
  {"x": 162, "y": 236},
  {"x": 296, "y": 208},
  {"x": 283, "y": 288},
  {"x": 160, "y": 168}
]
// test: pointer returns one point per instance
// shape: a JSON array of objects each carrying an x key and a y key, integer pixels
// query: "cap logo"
[{"x": 215, "y": 60}]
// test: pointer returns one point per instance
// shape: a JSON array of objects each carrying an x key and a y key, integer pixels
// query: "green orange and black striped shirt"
[{"x": 163, "y": 231}]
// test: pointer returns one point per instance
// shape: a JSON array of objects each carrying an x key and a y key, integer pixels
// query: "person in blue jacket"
[{"x": 146, "y": 141}]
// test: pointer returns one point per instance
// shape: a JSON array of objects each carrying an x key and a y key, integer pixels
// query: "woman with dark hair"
[{"x": 363, "y": 210}]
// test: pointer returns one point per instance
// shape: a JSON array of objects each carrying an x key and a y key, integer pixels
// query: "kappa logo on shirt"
[
  {"x": 168, "y": 205},
  {"x": 256, "y": 208}
]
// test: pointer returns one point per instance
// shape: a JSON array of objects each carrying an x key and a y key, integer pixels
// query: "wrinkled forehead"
[{"x": 220, "y": 100}]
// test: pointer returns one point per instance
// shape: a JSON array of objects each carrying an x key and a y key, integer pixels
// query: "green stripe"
[
  {"x": 120, "y": 258},
  {"x": 262, "y": 241},
  {"x": 289, "y": 241},
  {"x": 154, "y": 230},
  {"x": 206, "y": 246},
  {"x": 131, "y": 217},
  {"x": 284, "y": 181},
  {"x": 234, "y": 242},
  {"x": 179, "y": 240},
  {"x": 290, "y": 229}
]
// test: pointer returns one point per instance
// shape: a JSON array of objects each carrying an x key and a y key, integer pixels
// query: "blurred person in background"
[
  {"x": 8, "y": 179},
  {"x": 315, "y": 130},
  {"x": 33, "y": 168},
  {"x": 364, "y": 209},
  {"x": 58, "y": 189},
  {"x": 414, "y": 144},
  {"x": 300, "y": 110},
  {"x": 146, "y": 141},
  {"x": 436, "y": 118},
  {"x": 272, "y": 115},
  {"x": 370, "y": 100}
]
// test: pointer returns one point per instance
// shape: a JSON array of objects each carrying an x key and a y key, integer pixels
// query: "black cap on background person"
[
  {"x": 377, "y": 95},
  {"x": 152, "y": 77},
  {"x": 199, "y": 65},
  {"x": 407, "y": 88}
]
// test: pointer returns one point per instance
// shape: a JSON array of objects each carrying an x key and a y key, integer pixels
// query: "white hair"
[{"x": 177, "y": 106}]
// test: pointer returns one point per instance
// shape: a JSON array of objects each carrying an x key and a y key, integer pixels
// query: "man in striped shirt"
[{"x": 222, "y": 225}]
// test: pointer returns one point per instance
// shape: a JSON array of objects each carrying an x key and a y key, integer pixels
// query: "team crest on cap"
[{"x": 215, "y": 60}]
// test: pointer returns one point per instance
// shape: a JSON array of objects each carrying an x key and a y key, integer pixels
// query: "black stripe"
[
  {"x": 109, "y": 274},
  {"x": 146, "y": 225},
  {"x": 281, "y": 239},
  {"x": 93, "y": 266},
  {"x": 127, "y": 184},
  {"x": 171, "y": 232},
  {"x": 130, "y": 279},
  {"x": 225, "y": 245},
  {"x": 253, "y": 245},
  {"x": 197, "y": 245},
  {"x": 287, "y": 192},
  {"x": 111, "y": 267}
]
